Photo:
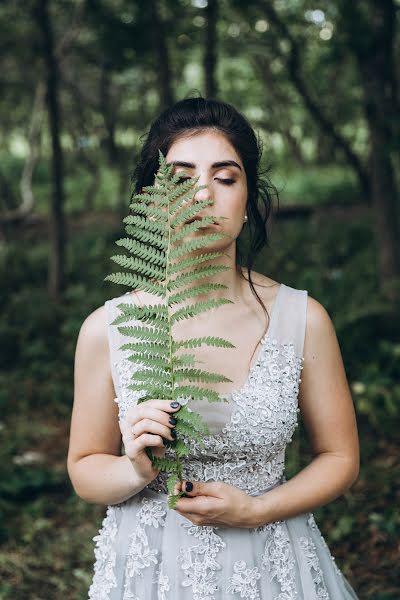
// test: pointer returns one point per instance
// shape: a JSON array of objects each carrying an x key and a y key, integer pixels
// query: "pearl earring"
[{"x": 245, "y": 218}]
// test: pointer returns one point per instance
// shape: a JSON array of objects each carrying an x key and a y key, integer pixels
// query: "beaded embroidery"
[
  {"x": 244, "y": 581},
  {"x": 309, "y": 550},
  {"x": 140, "y": 555},
  {"x": 104, "y": 576},
  {"x": 249, "y": 453},
  {"x": 199, "y": 561}
]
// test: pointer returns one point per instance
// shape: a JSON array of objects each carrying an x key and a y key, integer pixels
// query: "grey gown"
[{"x": 145, "y": 551}]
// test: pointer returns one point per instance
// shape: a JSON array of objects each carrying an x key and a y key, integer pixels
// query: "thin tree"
[
  {"x": 210, "y": 53},
  {"x": 57, "y": 233}
]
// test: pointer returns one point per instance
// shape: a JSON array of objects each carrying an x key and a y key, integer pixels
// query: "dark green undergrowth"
[{"x": 46, "y": 531}]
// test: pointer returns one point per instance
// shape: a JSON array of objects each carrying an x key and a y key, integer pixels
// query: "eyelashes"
[{"x": 223, "y": 181}]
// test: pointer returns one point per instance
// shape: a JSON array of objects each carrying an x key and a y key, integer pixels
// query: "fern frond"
[
  {"x": 198, "y": 375},
  {"x": 190, "y": 211},
  {"x": 171, "y": 483},
  {"x": 196, "y": 244},
  {"x": 156, "y": 313},
  {"x": 189, "y": 228},
  {"x": 152, "y": 255},
  {"x": 148, "y": 211},
  {"x": 136, "y": 264},
  {"x": 193, "y": 419},
  {"x": 164, "y": 464},
  {"x": 173, "y": 500},
  {"x": 185, "y": 278},
  {"x": 132, "y": 280},
  {"x": 145, "y": 333},
  {"x": 147, "y": 237},
  {"x": 199, "y": 307},
  {"x": 193, "y": 261},
  {"x": 167, "y": 260},
  {"x": 208, "y": 340},
  {"x": 180, "y": 448},
  {"x": 195, "y": 290},
  {"x": 147, "y": 347},
  {"x": 196, "y": 393},
  {"x": 152, "y": 226}
]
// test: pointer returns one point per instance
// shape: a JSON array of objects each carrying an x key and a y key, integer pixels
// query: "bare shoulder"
[
  {"x": 320, "y": 334},
  {"x": 319, "y": 324},
  {"x": 94, "y": 328}
]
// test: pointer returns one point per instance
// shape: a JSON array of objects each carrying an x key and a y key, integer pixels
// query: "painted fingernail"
[
  {"x": 172, "y": 420},
  {"x": 166, "y": 442},
  {"x": 188, "y": 486},
  {"x": 173, "y": 433},
  {"x": 174, "y": 404}
]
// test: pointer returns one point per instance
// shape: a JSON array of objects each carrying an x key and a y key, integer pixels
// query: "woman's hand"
[
  {"x": 218, "y": 504},
  {"x": 148, "y": 424}
]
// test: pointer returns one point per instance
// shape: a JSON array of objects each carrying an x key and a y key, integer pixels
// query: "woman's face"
[{"x": 211, "y": 157}]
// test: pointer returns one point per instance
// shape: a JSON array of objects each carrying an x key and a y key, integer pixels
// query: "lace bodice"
[{"x": 249, "y": 433}]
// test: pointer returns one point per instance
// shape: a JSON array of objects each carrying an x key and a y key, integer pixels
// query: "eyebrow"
[{"x": 222, "y": 163}]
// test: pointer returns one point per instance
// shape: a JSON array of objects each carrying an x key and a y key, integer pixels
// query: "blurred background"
[{"x": 81, "y": 81}]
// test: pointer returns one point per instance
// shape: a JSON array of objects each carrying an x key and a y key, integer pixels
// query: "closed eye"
[{"x": 224, "y": 181}]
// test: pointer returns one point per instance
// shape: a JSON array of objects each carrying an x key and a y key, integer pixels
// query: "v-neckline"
[{"x": 259, "y": 354}]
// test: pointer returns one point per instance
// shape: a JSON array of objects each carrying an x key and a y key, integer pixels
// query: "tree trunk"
[
  {"x": 162, "y": 56},
  {"x": 372, "y": 41},
  {"x": 210, "y": 55},
  {"x": 57, "y": 233}
]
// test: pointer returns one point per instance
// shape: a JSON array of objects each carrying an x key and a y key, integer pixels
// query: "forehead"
[{"x": 204, "y": 146}]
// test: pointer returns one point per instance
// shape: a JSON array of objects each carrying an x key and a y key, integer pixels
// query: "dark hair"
[{"x": 191, "y": 115}]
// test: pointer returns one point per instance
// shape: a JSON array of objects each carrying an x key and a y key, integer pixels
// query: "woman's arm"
[
  {"x": 327, "y": 409},
  {"x": 98, "y": 472}
]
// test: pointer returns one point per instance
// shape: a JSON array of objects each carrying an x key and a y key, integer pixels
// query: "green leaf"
[
  {"x": 166, "y": 260},
  {"x": 173, "y": 500},
  {"x": 199, "y": 341},
  {"x": 199, "y": 307}
]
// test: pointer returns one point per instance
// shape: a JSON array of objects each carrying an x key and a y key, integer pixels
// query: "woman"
[{"x": 241, "y": 530}]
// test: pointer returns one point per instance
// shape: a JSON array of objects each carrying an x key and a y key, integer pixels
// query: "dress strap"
[
  {"x": 288, "y": 324},
  {"x": 114, "y": 340}
]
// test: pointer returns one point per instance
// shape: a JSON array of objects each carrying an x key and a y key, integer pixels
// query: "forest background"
[{"x": 81, "y": 81}]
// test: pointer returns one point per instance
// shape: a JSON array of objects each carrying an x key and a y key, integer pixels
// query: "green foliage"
[{"x": 163, "y": 260}]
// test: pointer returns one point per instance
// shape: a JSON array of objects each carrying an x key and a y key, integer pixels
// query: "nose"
[{"x": 204, "y": 193}]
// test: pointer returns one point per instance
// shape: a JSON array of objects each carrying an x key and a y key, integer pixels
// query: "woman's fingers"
[
  {"x": 157, "y": 410},
  {"x": 149, "y": 426},
  {"x": 145, "y": 440}
]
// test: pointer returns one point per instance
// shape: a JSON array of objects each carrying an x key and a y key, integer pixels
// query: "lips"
[{"x": 193, "y": 219}]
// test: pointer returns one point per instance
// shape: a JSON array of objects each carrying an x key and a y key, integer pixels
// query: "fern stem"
[{"x": 167, "y": 277}]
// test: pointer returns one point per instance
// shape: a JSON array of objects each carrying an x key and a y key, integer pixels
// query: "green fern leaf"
[
  {"x": 199, "y": 307},
  {"x": 193, "y": 419},
  {"x": 204, "y": 288},
  {"x": 136, "y": 281},
  {"x": 173, "y": 500},
  {"x": 165, "y": 259},
  {"x": 193, "y": 261},
  {"x": 209, "y": 341}
]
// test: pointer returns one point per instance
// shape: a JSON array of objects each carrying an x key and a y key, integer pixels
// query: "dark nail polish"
[
  {"x": 172, "y": 421},
  {"x": 174, "y": 404},
  {"x": 188, "y": 486},
  {"x": 166, "y": 442},
  {"x": 173, "y": 433}
]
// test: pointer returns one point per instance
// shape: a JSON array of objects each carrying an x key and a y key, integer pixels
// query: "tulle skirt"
[{"x": 146, "y": 551}]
